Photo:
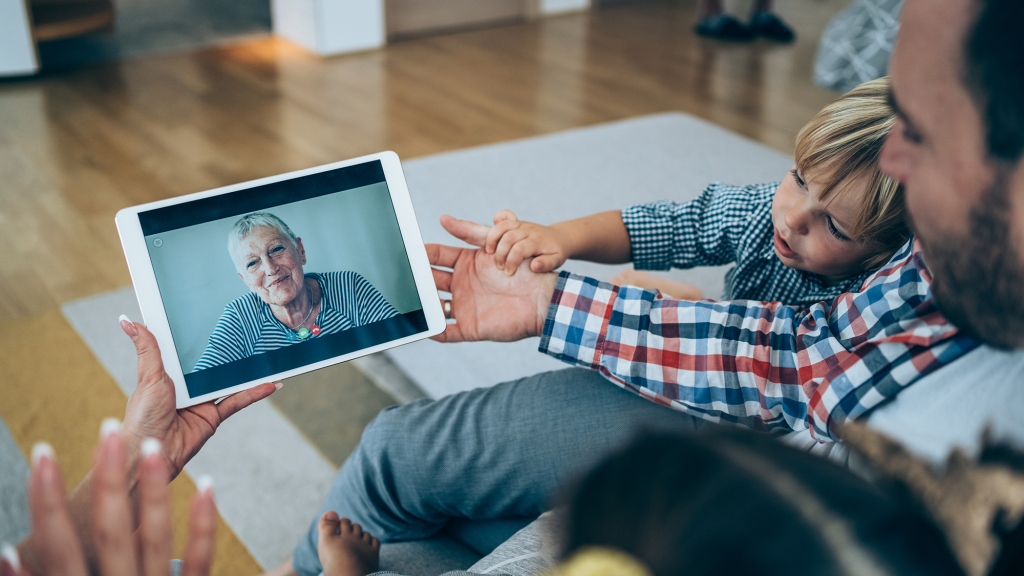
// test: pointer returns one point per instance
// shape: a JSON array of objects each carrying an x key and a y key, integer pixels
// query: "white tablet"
[{"x": 267, "y": 279}]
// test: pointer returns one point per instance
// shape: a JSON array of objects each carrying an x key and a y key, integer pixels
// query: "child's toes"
[
  {"x": 357, "y": 530},
  {"x": 328, "y": 525},
  {"x": 375, "y": 543}
]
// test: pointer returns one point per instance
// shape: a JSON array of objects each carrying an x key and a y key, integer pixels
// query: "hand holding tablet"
[{"x": 268, "y": 279}]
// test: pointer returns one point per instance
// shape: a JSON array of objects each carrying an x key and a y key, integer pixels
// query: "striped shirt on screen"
[{"x": 248, "y": 327}]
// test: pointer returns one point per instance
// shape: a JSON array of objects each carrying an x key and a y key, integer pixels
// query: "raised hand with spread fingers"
[
  {"x": 151, "y": 418},
  {"x": 57, "y": 546}
]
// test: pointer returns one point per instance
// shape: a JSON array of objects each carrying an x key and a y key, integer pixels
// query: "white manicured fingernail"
[
  {"x": 204, "y": 483},
  {"x": 150, "y": 446},
  {"x": 128, "y": 328},
  {"x": 40, "y": 450},
  {"x": 109, "y": 426},
  {"x": 10, "y": 553}
]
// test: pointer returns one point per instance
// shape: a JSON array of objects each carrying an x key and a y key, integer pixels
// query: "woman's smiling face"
[
  {"x": 270, "y": 264},
  {"x": 813, "y": 233}
]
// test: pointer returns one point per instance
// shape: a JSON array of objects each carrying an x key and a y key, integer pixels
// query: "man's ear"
[{"x": 302, "y": 251}]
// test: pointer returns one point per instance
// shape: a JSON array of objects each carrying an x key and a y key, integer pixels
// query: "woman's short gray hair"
[{"x": 246, "y": 224}]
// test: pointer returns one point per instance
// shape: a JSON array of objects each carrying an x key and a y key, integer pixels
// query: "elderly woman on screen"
[{"x": 285, "y": 305}]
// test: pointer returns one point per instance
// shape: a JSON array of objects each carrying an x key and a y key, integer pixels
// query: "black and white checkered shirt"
[{"x": 726, "y": 224}]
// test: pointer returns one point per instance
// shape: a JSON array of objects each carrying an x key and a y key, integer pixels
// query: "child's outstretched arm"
[{"x": 600, "y": 237}]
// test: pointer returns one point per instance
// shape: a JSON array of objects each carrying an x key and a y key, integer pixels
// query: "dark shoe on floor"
[
  {"x": 724, "y": 27},
  {"x": 769, "y": 25}
]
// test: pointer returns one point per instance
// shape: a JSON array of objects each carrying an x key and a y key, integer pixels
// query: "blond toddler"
[{"x": 834, "y": 219}]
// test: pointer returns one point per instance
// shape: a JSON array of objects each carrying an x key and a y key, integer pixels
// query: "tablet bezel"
[{"x": 154, "y": 315}]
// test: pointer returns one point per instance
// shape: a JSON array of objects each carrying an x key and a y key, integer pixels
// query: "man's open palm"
[{"x": 487, "y": 304}]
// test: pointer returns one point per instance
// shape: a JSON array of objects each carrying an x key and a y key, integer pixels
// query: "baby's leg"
[
  {"x": 670, "y": 288},
  {"x": 344, "y": 549}
]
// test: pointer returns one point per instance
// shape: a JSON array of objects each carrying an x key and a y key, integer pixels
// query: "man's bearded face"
[
  {"x": 966, "y": 208},
  {"x": 979, "y": 276}
]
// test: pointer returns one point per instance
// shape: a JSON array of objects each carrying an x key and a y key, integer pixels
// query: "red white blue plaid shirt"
[{"x": 762, "y": 365}]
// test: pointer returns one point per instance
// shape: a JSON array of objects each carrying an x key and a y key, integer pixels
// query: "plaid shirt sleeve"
[
  {"x": 762, "y": 365},
  {"x": 702, "y": 232}
]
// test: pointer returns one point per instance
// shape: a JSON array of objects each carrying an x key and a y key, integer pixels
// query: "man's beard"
[{"x": 979, "y": 279}]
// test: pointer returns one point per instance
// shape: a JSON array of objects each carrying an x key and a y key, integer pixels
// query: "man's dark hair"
[{"x": 994, "y": 67}]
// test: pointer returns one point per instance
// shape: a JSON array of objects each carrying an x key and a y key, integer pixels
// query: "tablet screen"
[{"x": 264, "y": 280}]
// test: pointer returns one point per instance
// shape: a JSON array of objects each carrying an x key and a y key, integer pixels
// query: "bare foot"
[
  {"x": 670, "y": 288},
  {"x": 344, "y": 549}
]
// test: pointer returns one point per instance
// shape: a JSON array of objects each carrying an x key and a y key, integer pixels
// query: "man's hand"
[
  {"x": 151, "y": 411},
  {"x": 487, "y": 304}
]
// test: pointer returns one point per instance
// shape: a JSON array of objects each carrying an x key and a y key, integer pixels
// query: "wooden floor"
[{"x": 75, "y": 147}]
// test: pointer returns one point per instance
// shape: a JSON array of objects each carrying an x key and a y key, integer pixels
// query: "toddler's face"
[{"x": 813, "y": 234}]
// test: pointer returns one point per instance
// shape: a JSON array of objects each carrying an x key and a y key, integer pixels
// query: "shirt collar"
[{"x": 822, "y": 292}]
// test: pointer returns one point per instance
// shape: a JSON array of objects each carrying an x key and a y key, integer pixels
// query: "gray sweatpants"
[{"x": 487, "y": 453}]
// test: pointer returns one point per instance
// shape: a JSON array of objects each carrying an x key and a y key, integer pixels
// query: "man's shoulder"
[
  {"x": 896, "y": 300},
  {"x": 904, "y": 267},
  {"x": 954, "y": 405}
]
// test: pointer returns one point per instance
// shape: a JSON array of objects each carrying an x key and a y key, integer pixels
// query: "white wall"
[
  {"x": 330, "y": 26},
  {"x": 556, "y": 6},
  {"x": 17, "y": 49}
]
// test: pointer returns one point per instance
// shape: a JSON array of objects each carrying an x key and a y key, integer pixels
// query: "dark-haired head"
[
  {"x": 994, "y": 75},
  {"x": 735, "y": 502}
]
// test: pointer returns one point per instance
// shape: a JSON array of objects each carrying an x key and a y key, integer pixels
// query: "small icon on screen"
[{"x": 158, "y": 242}]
